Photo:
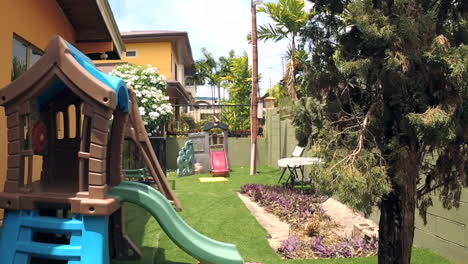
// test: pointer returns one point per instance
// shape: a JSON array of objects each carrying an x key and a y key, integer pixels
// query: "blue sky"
[{"x": 217, "y": 25}]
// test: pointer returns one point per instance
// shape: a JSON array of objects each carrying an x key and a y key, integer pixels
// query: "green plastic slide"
[{"x": 201, "y": 247}]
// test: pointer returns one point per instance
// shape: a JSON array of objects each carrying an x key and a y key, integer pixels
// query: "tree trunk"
[
  {"x": 292, "y": 74},
  {"x": 397, "y": 212}
]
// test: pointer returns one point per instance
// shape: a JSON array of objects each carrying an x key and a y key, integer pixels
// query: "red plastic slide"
[{"x": 219, "y": 163}]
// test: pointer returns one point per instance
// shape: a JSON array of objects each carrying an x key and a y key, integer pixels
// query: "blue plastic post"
[{"x": 94, "y": 241}]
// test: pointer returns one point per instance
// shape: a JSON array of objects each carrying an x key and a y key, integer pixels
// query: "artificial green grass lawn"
[{"x": 215, "y": 210}]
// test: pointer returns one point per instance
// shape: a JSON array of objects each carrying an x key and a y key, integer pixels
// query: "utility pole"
[{"x": 253, "y": 127}]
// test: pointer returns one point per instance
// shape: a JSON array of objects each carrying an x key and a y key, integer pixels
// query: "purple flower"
[
  {"x": 289, "y": 245},
  {"x": 345, "y": 249}
]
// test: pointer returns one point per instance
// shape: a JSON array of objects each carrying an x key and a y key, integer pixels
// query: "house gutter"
[{"x": 111, "y": 25}]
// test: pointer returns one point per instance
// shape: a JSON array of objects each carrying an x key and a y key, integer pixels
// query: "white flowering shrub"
[{"x": 150, "y": 89}]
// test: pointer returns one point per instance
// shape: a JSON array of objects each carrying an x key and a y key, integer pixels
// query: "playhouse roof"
[{"x": 62, "y": 66}]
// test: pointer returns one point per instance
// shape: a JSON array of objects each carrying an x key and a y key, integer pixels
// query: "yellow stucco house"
[
  {"x": 26, "y": 27},
  {"x": 169, "y": 51}
]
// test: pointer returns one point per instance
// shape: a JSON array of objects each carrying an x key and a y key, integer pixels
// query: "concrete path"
[
  {"x": 277, "y": 229},
  {"x": 345, "y": 217}
]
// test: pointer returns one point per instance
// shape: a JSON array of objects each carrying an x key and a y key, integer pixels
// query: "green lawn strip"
[{"x": 214, "y": 210}]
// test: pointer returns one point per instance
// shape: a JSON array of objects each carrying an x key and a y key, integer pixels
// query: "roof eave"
[
  {"x": 111, "y": 25},
  {"x": 190, "y": 55},
  {"x": 181, "y": 90}
]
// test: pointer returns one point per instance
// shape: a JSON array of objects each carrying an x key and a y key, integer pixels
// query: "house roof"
[
  {"x": 93, "y": 21},
  {"x": 63, "y": 66},
  {"x": 179, "y": 39}
]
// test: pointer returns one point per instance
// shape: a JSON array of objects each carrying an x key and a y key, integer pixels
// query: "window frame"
[{"x": 30, "y": 48}]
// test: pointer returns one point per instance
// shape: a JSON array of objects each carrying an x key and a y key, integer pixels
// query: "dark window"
[
  {"x": 24, "y": 56},
  {"x": 175, "y": 72},
  {"x": 131, "y": 53}
]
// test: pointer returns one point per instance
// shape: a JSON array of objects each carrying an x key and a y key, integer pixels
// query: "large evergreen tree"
[{"x": 393, "y": 79}]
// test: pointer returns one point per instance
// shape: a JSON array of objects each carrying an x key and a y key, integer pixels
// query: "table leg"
[{"x": 301, "y": 168}]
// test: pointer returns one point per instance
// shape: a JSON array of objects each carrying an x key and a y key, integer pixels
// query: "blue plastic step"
[{"x": 88, "y": 238}]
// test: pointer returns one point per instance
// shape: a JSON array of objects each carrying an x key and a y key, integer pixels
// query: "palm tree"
[
  {"x": 225, "y": 69},
  {"x": 210, "y": 69},
  {"x": 238, "y": 81},
  {"x": 289, "y": 19}
]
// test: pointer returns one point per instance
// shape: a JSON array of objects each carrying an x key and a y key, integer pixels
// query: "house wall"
[
  {"x": 158, "y": 54},
  {"x": 37, "y": 22}
]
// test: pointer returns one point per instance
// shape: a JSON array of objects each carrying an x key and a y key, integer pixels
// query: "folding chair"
[{"x": 297, "y": 152}]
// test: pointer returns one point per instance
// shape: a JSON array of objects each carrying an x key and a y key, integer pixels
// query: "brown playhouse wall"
[{"x": 37, "y": 22}]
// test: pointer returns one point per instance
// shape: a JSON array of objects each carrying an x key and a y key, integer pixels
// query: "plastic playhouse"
[
  {"x": 211, "y": 148},
  {"x": 70, "y": 120},
  {"x": 218, "y": 146}
]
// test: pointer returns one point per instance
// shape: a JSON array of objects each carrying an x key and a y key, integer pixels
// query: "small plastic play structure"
[
  {"x": 70, "y": 120},
  {"x": 201, "y": 151},
  {"x": 218, "y": 146},
  {"x": 186, "y": 160}
]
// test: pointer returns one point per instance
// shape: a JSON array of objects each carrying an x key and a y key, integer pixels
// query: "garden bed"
[{"x": 312, "y": 232}]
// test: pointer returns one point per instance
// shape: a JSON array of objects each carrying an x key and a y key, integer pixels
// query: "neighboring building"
[
  {"x": 205, "y": 108},
  {"x": 26, "y": 27},
  {"x": 204, "y": 100},
  {"x": 169, "y": 51}
]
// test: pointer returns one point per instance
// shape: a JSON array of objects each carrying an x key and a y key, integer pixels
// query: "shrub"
[
  {"x": 345, "y": 249},
  {"x": 288, "y": 204},
  {"x": 311, "y": 230},
  {"x": 289, "y": 246},
  {"x": 150, "y": 90}
]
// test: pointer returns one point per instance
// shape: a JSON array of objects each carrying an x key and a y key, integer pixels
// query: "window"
[
  {"x": 24, "y": 56},
  {"x": 131, "y": 53}
]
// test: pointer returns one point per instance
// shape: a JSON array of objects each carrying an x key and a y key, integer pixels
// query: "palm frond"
[{"x": 271, "y": 32}]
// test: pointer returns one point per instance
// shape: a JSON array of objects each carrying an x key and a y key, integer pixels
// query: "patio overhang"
[
  {"x": 107, "y": 67},
  {"x": 93, "y": 21},
  {"x": 177, "y": 91}
]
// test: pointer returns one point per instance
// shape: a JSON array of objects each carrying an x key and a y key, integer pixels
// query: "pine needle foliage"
[{"x": 393, "y": 79}]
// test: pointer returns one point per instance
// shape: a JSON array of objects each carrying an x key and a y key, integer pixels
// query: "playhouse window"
[
  {"x": 72, "y": 122},
  {"x": 24, "y": 56},
  {"x": 59, "y": 122}
]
